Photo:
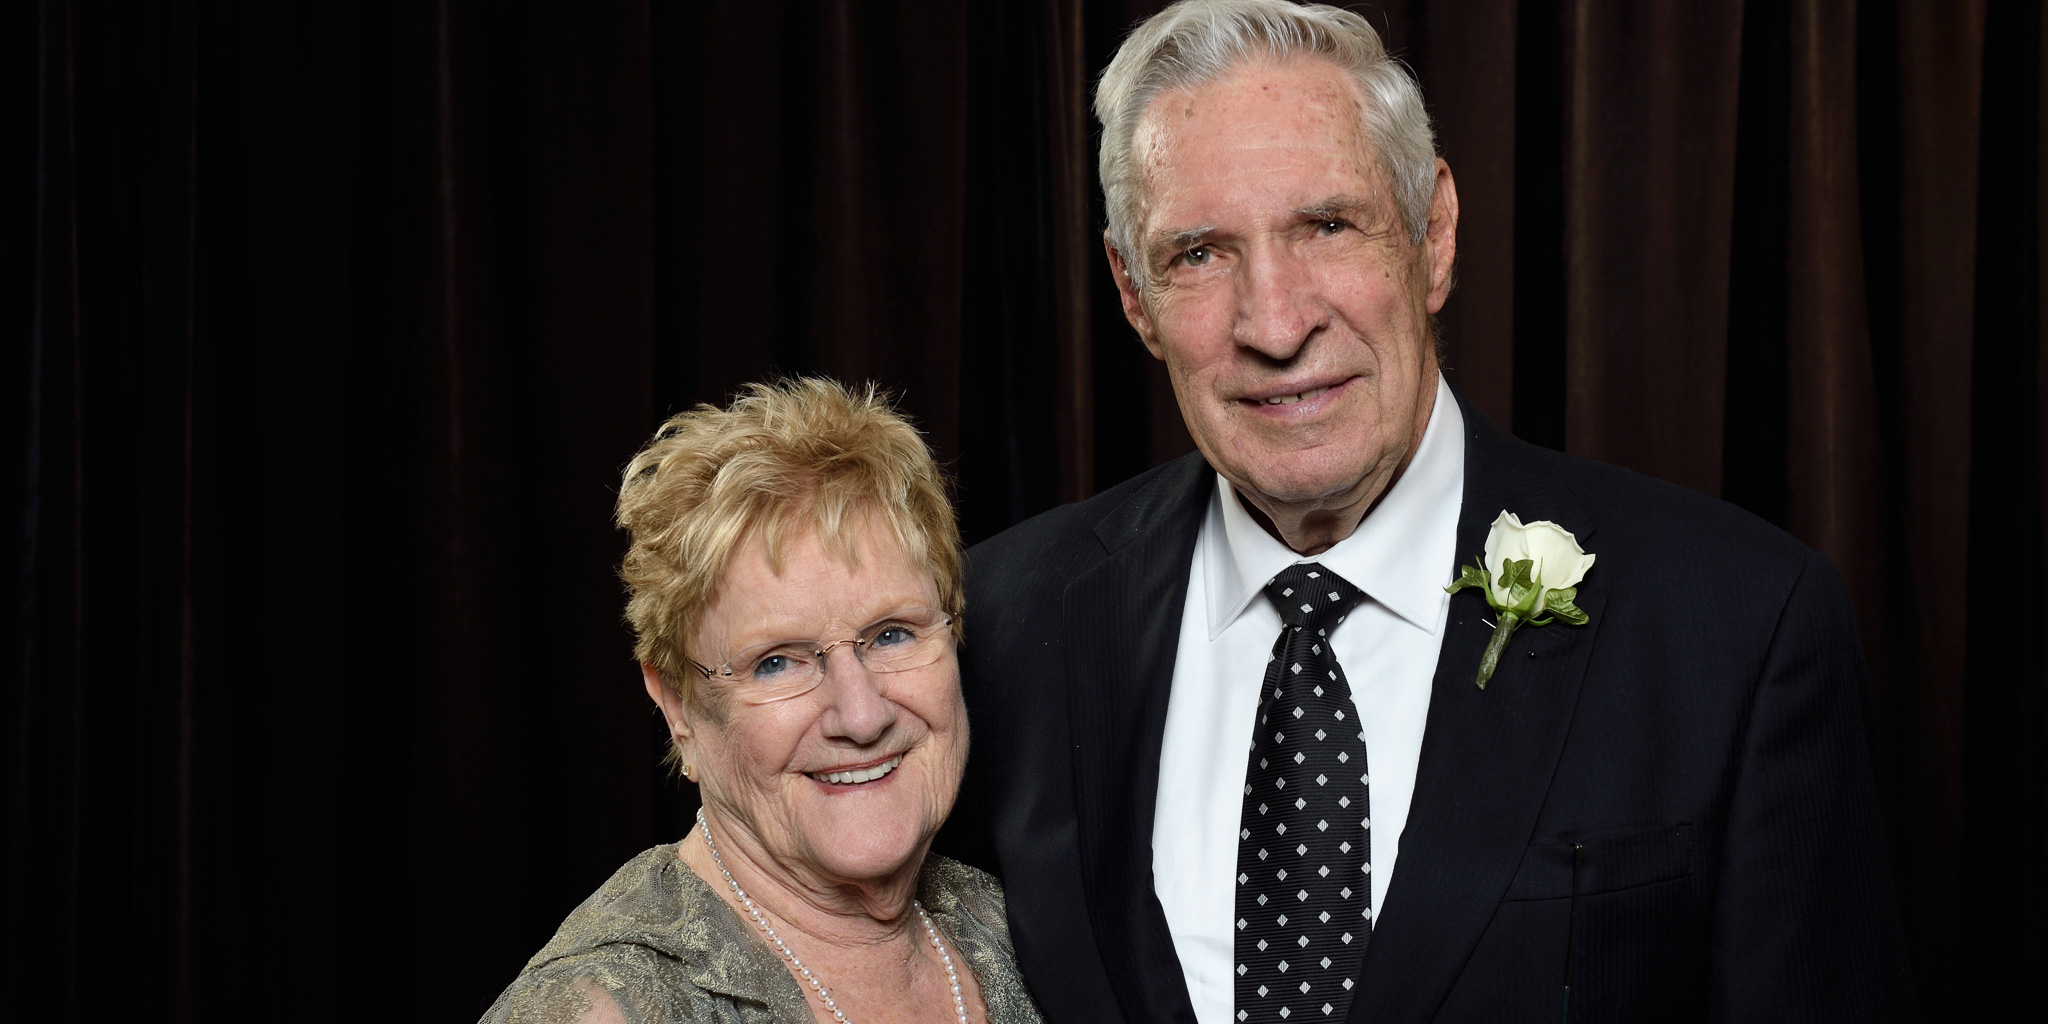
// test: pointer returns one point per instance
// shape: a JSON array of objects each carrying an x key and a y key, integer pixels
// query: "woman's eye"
[
  {"x": 1196, "y": 256},
  {"x": 773, "y": 665},
  {"x": 893, "y": 635}
]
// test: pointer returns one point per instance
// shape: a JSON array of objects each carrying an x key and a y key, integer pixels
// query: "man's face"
[{"x": 1285, "y": 298}]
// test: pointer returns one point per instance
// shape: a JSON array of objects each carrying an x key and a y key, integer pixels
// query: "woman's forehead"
[{"x": 818, "y": 585}]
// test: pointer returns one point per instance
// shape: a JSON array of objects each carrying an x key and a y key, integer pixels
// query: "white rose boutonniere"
[{"x": 1531, "y": 575}]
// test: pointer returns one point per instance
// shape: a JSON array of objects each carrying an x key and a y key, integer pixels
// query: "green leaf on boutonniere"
[
  {"x": 1468, "y": 576},
  {"x": 1560, "y": 605},
  {"x": 1517, "y": 590}
]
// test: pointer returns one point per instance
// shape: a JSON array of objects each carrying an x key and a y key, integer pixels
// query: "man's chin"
[{"x": 1267, "y": 491}]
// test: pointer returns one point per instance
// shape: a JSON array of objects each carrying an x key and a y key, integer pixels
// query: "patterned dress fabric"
[
  {"x": 655, "y": 944},
  {"x": 1304, "y": 884}
]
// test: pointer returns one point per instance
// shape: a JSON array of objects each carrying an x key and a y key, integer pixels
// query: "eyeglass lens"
[{"x": 776, "y": 671}]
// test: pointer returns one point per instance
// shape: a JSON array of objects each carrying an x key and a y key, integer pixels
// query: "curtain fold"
[
  {"x": 1649, "y": 136},
  {"x": 2004, "y": 761},
  {"x": 328, "y": 331}
]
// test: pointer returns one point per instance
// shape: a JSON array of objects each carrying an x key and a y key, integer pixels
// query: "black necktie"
[{"x": 1304, "y": 882}]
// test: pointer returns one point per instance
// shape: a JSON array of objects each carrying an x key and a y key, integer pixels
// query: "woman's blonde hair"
[{"x": 783, "y": 458}]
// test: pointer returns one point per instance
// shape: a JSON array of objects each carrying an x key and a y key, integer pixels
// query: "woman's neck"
[
  {"x": 865, "y": 944},
  {"x": 798, "y": 904}
]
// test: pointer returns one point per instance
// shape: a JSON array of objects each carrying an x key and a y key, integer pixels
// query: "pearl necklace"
[{"x": 824, "y": 994}]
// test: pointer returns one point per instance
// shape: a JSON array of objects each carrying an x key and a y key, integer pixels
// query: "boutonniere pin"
[{"x": 1531, "y": 575}]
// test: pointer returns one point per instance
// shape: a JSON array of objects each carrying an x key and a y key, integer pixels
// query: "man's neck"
[{"x": 1309, "y": 532}]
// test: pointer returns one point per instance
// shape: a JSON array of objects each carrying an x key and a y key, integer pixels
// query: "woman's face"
[{"x": 764, "y": 768}]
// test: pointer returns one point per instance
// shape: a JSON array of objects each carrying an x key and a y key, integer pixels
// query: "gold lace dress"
[{"x": 655, "y": 944}]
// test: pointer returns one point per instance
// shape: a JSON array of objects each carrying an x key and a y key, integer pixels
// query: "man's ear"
[
  {"x": 1127, "y": 290},
  {"x": 673, "y": 707},
  {"x": 1441, "y": 236}
]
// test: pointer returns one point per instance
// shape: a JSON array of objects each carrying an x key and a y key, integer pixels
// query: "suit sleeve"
[{"x": 1806, "y": 925}]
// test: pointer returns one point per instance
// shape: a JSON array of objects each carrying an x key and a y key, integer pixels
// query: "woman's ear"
[{"x": 673, "y": 706}]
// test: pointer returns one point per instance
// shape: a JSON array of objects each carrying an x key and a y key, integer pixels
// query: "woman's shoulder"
[
  {"x": 620, "y": 986},
  {"x": 941, "y": 870},
  {"x": 967, "y": 903},
  {"x": 644, "y": 902},
  {"x": 628, "y": 984},
  {"x": 950, "y": 887},
  {"x": 652, "y": 943}
]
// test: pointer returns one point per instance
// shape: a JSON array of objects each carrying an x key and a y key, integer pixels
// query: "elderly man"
[{"x": 1240, "y": 756}]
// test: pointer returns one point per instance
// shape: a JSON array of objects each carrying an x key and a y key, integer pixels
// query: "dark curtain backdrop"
[{"x": 327, "y": 328}]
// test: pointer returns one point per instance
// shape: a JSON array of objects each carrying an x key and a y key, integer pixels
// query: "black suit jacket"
[{"x": 1699, "y": 746}]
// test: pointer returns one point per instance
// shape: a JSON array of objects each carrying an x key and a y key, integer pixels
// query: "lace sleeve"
[
  {"x": 577, "y": 992},
  {"x": 629, "y": 984}
]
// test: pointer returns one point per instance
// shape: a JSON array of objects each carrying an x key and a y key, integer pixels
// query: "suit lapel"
[
  {"x": 1122, "y": 631},
  {"x": 1487, "y": 755}
]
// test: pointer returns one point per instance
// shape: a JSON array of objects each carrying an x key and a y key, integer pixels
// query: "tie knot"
[{"x": 1310, "y": 595}]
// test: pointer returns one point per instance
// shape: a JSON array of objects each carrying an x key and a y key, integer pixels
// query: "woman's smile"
[{"x": 860, "y": 777}]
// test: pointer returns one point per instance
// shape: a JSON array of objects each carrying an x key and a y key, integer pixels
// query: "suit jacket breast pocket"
[
  {"x": 1607, "y": 861},
  {"x": 1633, "y": 943}
]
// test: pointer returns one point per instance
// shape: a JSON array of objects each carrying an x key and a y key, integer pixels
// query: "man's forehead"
[
  {"x": 1278, "y": 137},
  {"x": 1299, "y": 97},
  {"x": 1184, "y": 203}
]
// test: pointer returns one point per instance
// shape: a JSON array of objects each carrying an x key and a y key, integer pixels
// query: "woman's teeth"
[
  {"x": 860, "y": 774},
  {"x": 1291, "y": 399}
]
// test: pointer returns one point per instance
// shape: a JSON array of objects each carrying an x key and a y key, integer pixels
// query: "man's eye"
[
  {"x": 1196, "y": 256},
  {"x": 1331, "y": 227}
]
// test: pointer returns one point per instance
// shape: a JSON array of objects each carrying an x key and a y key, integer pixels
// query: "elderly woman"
[{"x": 795, "y": 586}]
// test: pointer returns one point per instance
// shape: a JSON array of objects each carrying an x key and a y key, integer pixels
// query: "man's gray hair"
[{"x": 1196, "y": 41}]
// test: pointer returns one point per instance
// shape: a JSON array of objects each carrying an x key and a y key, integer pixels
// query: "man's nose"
[
  {"x": 1277, "y": 307},
  {"x": 857, "y": 707}
]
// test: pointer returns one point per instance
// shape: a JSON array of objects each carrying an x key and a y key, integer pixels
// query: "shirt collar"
[{"x": 1390, "y": 556}]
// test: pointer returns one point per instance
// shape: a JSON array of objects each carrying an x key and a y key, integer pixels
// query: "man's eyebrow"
[
  {"x": 1184, "y": 238},
  {"x": 1168, "y": 242},
  {"x": 1334, "y": 207}
]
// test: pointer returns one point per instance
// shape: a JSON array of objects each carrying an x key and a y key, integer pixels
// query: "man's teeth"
[
  {"x": 1291, "y": 399},
  {"x": 861, "y": 774}
]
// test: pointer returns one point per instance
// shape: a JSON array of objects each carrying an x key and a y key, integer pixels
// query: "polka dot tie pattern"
[{"x": 1304, "y": 871}]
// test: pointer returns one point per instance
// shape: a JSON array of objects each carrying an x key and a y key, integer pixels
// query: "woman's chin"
[
  {"x": 866, "y": 859},
  {"x": 856, "y": 843}
]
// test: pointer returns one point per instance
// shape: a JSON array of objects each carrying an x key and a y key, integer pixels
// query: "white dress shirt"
[{"x": 1400, "y": 556}]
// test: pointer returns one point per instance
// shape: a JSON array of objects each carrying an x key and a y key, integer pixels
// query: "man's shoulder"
[
  {"x": 1623, "y": 507},
  {"x": 1060, "y": 536},
  {"x": 1654, "y": 531}
]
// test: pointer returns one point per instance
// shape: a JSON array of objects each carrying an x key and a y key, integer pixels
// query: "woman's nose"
[{"x": 857, "y": 706}]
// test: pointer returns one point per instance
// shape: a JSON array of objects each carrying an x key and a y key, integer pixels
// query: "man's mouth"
[
  {"x": 1291, "y": 399},
  {"x": 855, "y": 776}
]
